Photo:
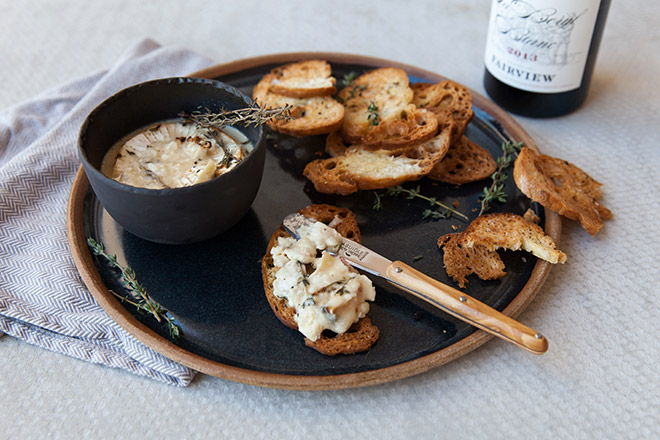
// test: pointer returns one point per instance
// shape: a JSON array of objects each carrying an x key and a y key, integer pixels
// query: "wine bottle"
[{"x": 540, "y": 54}]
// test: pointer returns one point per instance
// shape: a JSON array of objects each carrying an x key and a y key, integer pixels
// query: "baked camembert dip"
[
  {"x": 174, "y": 154},
  {"x": 325, "y": 293}
]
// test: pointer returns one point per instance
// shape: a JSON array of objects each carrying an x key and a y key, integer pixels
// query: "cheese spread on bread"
[
  {"x": 326, "y": 293},
  {"x": 174, "y": 154}
]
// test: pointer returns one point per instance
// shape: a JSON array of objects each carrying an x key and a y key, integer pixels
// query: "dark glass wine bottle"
[{"x": 540, "y": 54}]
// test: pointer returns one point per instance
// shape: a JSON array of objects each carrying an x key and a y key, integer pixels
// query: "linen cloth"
[{"x": 42, "y": 299}]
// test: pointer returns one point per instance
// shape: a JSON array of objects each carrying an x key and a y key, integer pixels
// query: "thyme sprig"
[
  {"x": 347, "y": 81},
  {"x": 446, "y": 212},
  {"x": 349, "y": 78},
  {"x": 248, "y": 116},
  {"x": 378, "y": 202},
  {"x": 495, "y": 192},
  {"x": 373, "y": 116},
  {"x": 141, "y": 300}
]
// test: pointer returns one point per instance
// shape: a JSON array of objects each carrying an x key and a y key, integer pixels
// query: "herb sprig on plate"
[
  {"x": 139, "y": 297},
  {"x": 446, "y": 212},
  {"x": 495, "y": 192}
]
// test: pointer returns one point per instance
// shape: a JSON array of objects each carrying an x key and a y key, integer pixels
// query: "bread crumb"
[{"x": 531, "y": 216}]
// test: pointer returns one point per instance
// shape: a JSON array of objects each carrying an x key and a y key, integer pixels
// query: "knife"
[{"x": 444, "y": 297}]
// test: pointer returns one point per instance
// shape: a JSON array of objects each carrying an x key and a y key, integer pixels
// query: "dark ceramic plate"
[{"x": 214, "y": 288}]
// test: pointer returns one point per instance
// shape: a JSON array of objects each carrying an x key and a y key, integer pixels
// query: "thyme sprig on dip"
[
  {"x": 447, "y": 211},
  {"x": 248, "y": 116},
  {"x": 495, "y": 192},
  {"x": 140, "y": 299}
]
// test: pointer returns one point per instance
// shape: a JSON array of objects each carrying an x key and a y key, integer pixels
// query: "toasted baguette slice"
[
  {"x": 335, "y": 144},
  {"x": 303, "y": 79},
  {"x": 461, "y": 261},
  {"x": 311, "y": 116},
  {"x": 357, "y": 168},
  {"x": 449, "y": 101},
  {"x": 562, "y": 187},
  {"x": 360, "y": 337},
  {"x": 465, "y": 162},
  {"x": 513, "y": 232},
  {"x": 363, "y": 334},
  {"x": 379, "y": 111},
  {"x": 411, "y": 127}
]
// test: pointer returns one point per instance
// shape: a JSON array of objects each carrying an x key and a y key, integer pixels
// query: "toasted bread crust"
[
  {"x": 450, "y": 101},
  {"x": 363, "y": 334},
  {"x": 335, "y": 145},
  {"x": 279, "y": 306},
  {"x": 460, "y": 261},
  {"x": 353, "y": 168},
  {"x": 513, "y": 232},
  {"x": 360, "y": 337},
  {"x": 562, "y": 187},
  {"x": 379, "y": 111},
  {"x": 474, "y": 249},
  {"x": 303, "y": 79},
  {"x": 417, "y": 126},
  {"x": 465, "y": 162},
  {"x": 311, "y": 116}
]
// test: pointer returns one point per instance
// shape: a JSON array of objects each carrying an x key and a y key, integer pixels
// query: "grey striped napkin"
[{"x": 42, "y": 299}]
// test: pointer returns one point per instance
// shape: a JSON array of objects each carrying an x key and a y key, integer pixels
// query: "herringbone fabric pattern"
[{"x": 42, "y": 299}]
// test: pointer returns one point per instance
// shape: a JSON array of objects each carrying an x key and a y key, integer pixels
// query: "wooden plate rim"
[{"x": 92, "y": 279}]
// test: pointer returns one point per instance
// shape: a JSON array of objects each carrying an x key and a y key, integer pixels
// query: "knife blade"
[{"x": 440, "y": 295}]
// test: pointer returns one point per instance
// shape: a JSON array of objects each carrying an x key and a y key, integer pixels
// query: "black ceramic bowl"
[{"x": 177, "y": 215}]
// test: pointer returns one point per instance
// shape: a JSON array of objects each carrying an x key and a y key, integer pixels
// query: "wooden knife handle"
[{"x": 466, "y": 308}]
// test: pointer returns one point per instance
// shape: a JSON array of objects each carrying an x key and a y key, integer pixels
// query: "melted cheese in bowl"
[
  {"x": 326, "y": 293},
  {"x": 174, "y": 154}
]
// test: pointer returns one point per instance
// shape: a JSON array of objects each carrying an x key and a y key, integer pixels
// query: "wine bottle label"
[{"x": 540, "y": 45}]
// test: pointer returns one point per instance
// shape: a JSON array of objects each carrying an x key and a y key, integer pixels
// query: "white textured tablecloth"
[{"x": 600, "y": 312}]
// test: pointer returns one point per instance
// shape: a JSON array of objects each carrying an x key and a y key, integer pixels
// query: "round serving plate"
[{"x": 214, "y": 289}]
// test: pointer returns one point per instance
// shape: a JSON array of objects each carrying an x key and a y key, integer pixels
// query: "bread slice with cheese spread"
[
  {"x": 356, "y": 167},
  {"x": 363, "y": 334}
]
